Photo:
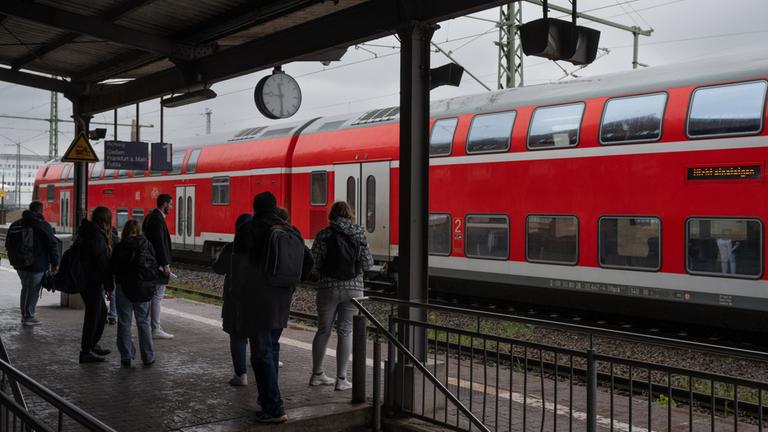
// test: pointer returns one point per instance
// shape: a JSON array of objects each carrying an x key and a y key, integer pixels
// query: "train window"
[
  {"x": 98, "y": 169},
  {"x": 487, "y": 236},
  {"x": 178, "y": 160},
  {"x": 441, "y": 139},
  {"x": 122, "y": 218},
  {"x": 138, "y": 215},
  {"x": 633, "y": 119},
  {"x": 630, "y": 242},
  {"x": 318, "y": 194},
  {"x": 555, "y": 126},
  {"x": 370, "y": 204},
  {"x": 122, "y": 173},
  {"x": 192, "y": 162},
  {"x": 491, "y": 133},
  {"x": 351, "y": 193},
  {"x": 724, "y": 247},
  {"x": 439, "y": 234},
  {"x": 733, "y": 109},
  {"x": 66, "y": 172},
  {"x": 139, "y": 173},
  {"x": 50, "y": 191},
  {"x": 552, "y": 239},
  {"x": 35, "y": 193},
  {"x": 220, "y": 188}
]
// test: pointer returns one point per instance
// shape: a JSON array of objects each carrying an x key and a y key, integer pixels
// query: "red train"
[{"x": 641, "y": 192}]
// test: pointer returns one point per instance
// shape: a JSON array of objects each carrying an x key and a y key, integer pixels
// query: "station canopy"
[{"x": 104, "y": 54}]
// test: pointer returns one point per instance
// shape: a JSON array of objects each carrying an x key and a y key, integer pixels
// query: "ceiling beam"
[
  {"x": 364, "y": 22},
  {"x": 40, "y": 82},
  {"x": 229, "y": 22},
  {"x": 111, "y": 15},
  {"x": 93, "y": 26}
]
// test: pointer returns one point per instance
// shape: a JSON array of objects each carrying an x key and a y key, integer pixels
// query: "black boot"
[
  {"x": 90, "y": 357},
  {"x": 100, "y": 351}
]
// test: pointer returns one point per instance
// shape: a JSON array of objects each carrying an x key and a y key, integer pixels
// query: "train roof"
[{"x": 730, "y": 67}]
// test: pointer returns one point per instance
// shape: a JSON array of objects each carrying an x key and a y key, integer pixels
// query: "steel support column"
[
  {"x": 82, "y": 125},
  {"x": 414, "y": 173}
]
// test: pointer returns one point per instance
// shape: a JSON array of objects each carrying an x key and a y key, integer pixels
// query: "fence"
[
  {"x": 52, "y": 412},
  {"x": 487, "y": 378}
]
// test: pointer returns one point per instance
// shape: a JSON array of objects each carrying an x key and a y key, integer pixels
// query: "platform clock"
[{"x": 278, "y": 96}]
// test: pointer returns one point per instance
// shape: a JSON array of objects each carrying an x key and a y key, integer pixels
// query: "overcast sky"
[{"x": 367, "y": 76}]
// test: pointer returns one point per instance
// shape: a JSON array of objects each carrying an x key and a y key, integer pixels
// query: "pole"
[
  {"x": 18, "y": 175},
  {"x": 359, "y": 341},
  {"x": 162, "y": 119},
  {"x": 138, "y": 128},
  {"x": 635, "y": 47},
  {"x": 114, "y": 126},
  {"x": 82, "y": 125},
  {"x": 208, "y": 113},
  {"x": 414, "y": 175}
]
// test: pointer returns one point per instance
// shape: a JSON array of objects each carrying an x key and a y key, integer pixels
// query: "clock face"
[{"x": 278, "y": 96}]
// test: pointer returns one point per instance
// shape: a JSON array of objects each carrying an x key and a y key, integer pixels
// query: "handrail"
[
  {"x": 18, "y": 396},
  {"x": 662, "y": 340},
  {"x": 77, "y": 414},
  {"x": 424, "y": 370}
]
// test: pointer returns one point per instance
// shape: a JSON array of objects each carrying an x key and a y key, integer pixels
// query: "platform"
[{"x": 186, "y": 389}]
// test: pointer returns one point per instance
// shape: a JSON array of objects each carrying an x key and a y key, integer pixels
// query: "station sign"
[
  {"x": 162, "y": 157},
  {"x": 126, "y": 155}
]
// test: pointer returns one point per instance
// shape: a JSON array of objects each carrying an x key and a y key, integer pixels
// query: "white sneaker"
[
  {"x": 279, "y": 364},
  {"x": 160, "y": 334},
  {"x": 321, "y": 379},
  {"x": 239, "y": 380},
  {"x": 343, "y": 384}
]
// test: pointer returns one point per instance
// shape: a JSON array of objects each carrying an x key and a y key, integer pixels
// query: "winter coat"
[
  {"x": 156, "y": 231},
  {"x": 231, "y": 308},
  {"x": 264, "y": 307},
  {"x": 320, "y": 249},
  {"x": 45, "y": 244},
  {"x": 126, "y": 272},
  {"x": 95, "y": 258}
]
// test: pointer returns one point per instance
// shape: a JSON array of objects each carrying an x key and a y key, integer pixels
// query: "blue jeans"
[
  {"x": 237, "y": 348},
  {"x": 265, "y": 355},
  {"x": 112, "y": 314},
  {"x": 125, "y": 308},
  {"x": 30, "y": 292}
]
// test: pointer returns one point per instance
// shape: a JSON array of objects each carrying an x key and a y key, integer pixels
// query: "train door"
[
  {"x": 365, "y": 187},
  {"x": 64, "y": 212},
  {"x": 185, "y": 217}
]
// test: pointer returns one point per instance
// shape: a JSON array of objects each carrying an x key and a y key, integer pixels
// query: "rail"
[
  {"x": 481, "y": 378},
  {"x": 14, "y": 415}
]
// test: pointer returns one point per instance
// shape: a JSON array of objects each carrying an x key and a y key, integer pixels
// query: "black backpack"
[
  {"x": 70, "y": 270},
  {"x": 20, "y": 245},
  {"x": 283, "y": 257},
  {"x": 342, "y": 256}
]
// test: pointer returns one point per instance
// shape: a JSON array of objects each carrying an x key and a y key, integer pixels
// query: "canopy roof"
[{"x": 158, "y": 47}]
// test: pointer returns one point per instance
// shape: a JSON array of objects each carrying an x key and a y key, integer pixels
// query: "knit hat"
[
  {"x": 243, "y": 218},
  {"x": 264, "y": 202}
]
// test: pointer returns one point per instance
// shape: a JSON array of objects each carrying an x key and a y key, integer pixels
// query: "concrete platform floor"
[{"x": 186, "y": 389}]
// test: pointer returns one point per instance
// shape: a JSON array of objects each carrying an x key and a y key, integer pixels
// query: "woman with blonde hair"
[
  {"x": 341, "y": 255},
  {"x": 95, "y": 241},
  {"x": 136, "y": 273}
]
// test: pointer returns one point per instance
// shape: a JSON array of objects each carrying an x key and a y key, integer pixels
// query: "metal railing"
[
  {"x": 15, "y": 416},
  {"x": 480, "y": 373}
]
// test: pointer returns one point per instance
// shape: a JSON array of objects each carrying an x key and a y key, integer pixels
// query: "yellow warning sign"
[
  {"x": 80, "y": 151},
  {"x": 3, "y": 194}
]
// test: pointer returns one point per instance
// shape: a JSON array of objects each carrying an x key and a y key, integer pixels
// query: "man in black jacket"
[
  {"x": 156, "y": 231},
  {"x": 46, "y": 252},
  {"x": 265, "y": 308}
]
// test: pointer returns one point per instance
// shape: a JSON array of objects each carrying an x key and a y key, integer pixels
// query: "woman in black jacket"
[
  {"x": 230, "y": 309},
  {"x": 136, "y": 272},
  {"x": 95, "y": 237}
]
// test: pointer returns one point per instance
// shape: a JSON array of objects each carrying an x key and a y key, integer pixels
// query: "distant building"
[{"x": 29, "y": 165}]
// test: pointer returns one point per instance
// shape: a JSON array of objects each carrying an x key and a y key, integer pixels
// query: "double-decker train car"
[{"x": 640, "y": 193}]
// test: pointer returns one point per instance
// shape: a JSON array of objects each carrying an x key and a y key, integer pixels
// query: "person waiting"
[{"x": 341, "y": 255}]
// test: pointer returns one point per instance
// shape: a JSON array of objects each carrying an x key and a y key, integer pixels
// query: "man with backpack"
[
  {"x": 32, "y": 250},
  {"x": 269, "y": 259},
  {"x": 156, "y": 230}
]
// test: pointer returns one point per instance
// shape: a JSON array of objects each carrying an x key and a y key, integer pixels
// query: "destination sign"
[
  {"x": 162, "y": 157},
  {"x": 736, "y": 172},
  {"x": 126, "y": 155}
]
